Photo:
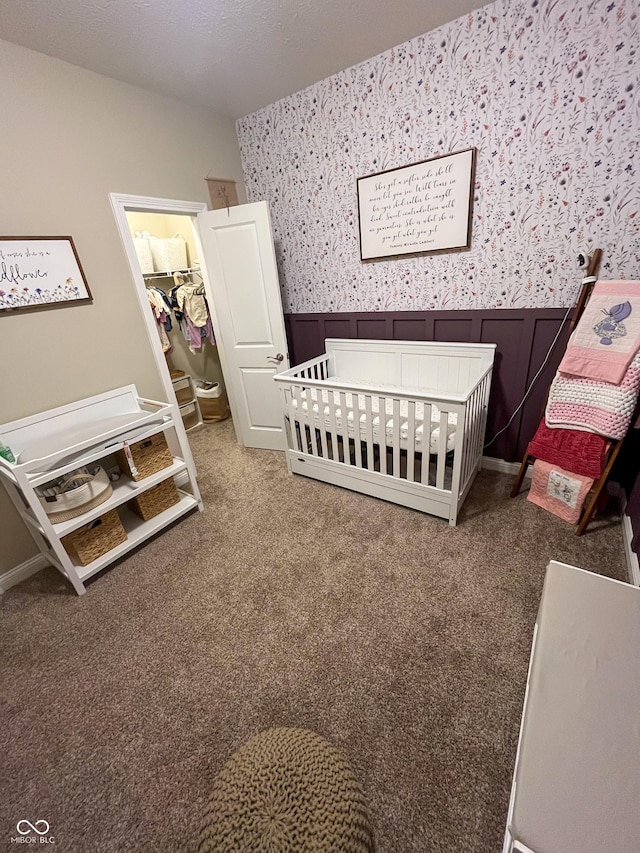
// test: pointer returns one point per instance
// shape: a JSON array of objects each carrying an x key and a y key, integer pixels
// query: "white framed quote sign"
[
  {"x": 420, "y": 209},
  {"x": 40, "y": 272}
]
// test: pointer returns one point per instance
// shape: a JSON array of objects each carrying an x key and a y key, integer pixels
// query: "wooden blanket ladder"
[{"x": 591, "y": 503}]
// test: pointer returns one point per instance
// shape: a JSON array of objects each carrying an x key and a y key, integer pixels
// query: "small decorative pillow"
[{"x": 558, "y": 491}]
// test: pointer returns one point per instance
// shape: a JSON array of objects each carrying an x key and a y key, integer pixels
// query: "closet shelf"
[{"x": 169, "y": 273}]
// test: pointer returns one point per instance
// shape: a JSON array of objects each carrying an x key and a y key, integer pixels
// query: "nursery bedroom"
[{"x": 320, "y": 426}]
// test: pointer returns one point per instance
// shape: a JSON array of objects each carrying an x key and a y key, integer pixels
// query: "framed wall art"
[
  {"x": 40, "y": 272},
  {"x": 420, "y": 209}
]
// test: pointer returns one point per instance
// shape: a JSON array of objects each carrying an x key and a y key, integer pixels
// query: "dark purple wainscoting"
[{"x": 523, "y": 338}]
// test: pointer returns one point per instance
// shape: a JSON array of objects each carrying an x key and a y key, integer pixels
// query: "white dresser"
[{"x": 576, "y": 785}]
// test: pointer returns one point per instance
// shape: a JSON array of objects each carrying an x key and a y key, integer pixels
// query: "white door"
[{"x": 244, "y": 292}]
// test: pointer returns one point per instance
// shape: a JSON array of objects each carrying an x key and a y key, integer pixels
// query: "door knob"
[{"x": 277, "y": 358}]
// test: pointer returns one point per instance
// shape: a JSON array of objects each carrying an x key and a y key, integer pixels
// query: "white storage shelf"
[
  {"x": 187, "y": 406},
  {"x": 124, "y": 490},
  {"x": 54, "y": 443},
  {"x": 137, "y": 532}
]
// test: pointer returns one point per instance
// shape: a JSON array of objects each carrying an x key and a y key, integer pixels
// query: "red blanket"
[{"x": 572, "y": 449}]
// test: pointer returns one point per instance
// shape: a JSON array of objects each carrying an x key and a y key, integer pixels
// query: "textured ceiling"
[{"x": 231, "y": 56}]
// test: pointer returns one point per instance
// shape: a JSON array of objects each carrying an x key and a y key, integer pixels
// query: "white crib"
[{"x": 399, "y": 420}]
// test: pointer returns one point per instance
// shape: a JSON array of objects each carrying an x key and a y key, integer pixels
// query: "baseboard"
[
  {"x": 489, "y": 463},
  {"x": 632, "y": 557},
  {"x": 627, "y": 536},
  {"x": 22, "y": 571}
]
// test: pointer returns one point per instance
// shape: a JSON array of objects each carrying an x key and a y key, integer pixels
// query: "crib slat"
[
  {"x": 475, "y": 438},
  {"x": 484, "y": 400},
  {"x": 426, "y": 444},
  {"x": 292, "y": 418},
  {"x": 314, "y": 393},
  {"x": 335, "y": 453},
  {"x": 467, "y": 442},
  {"x": 411, "y": 438},
  {"x": 442, "y": 451},
  {"x": 357, "y": 438},
  {"x": 396, "y": 438},
  {"x": 322, "y": 418},
  {"x": 473, "y": 433},
  {"x": 368, "y": 408},
  {"x": 344, "y": 431},
  {"x": 382, "y": 417}
]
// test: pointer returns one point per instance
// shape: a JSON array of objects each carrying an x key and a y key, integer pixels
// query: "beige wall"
[{"x": 70, "y": 137}]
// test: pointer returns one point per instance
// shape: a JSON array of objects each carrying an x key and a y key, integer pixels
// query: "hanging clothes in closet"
[
  {"x": 161, "y": 308},
  {"x": 191, "y": 311}
]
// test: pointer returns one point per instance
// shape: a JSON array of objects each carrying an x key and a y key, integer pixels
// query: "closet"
[{"x": 170, "y": 267}]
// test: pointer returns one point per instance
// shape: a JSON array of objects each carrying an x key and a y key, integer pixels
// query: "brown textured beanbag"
[{"x": 286, "y": 791}]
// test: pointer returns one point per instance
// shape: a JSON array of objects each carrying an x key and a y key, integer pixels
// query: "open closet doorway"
[
  {"x": 234, "y": 249},
  {"x": 169, "y": 259},
  {"x": 180, "y": 370}
]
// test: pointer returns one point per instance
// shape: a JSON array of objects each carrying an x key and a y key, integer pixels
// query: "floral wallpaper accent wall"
[{"x": 548, "y": 92}]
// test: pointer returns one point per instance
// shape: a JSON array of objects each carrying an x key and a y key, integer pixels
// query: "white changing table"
[
  {"x": 53, "y": 443},
  {"x": 576, "y": 785}
]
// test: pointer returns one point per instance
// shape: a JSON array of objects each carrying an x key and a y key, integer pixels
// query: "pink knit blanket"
[
  {"x": 607, "y": 336},
  {"x": 573, "y": 449},
  {"x": 589, "y": 404}
]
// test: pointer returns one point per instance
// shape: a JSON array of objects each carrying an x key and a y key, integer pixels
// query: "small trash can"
[{"x": 213, "y": 401}]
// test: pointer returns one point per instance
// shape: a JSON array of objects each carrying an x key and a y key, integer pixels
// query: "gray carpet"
[{"x": 286, "y": 603}]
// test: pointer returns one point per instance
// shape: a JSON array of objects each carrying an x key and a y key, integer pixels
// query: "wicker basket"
[
  {"x": 70, "y": 503},
  {"x": 214, "y": 403},
  {"x": 155, "y": 500},
  {"x": 148, "y": 456},
  {"x": 96, "y": 538}
]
